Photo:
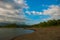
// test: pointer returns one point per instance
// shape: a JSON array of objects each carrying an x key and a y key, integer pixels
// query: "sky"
[
  {"x": 29, "y": 11},
  {"x": 42, "y": 10}
]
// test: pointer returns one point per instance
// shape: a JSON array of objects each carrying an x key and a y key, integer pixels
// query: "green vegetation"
[{"x": 49, "y": 23}]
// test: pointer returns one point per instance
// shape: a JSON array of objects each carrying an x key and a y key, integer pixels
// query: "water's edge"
[{"x": 9, "y": 33}]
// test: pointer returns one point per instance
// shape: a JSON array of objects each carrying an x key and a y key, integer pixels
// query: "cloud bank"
[
  {"x": 53, "y": 11},
  {"x": 12, "y": 10}
]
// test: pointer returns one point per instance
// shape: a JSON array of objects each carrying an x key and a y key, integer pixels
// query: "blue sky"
[{"x": 39, "y": 6}]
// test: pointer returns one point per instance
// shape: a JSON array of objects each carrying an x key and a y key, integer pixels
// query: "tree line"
[{"x": 48, "y": 23}]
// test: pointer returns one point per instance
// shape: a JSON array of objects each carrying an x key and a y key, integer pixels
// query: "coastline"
[{"x": 49, "y": 33}]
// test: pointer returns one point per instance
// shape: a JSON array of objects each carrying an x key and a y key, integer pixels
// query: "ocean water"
[{"x": 9, "y": 33}]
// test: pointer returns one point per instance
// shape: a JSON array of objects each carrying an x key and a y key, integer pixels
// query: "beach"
[{"x": 47, "y": 33}]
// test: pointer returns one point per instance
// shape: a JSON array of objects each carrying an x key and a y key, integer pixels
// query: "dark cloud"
[{"x": 10, "y": 10}]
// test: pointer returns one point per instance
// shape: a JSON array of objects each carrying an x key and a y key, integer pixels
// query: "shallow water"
[{"x": 9, "y": 33}]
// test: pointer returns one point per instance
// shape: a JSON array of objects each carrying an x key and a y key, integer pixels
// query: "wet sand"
[{"x": 49, "y": 33}]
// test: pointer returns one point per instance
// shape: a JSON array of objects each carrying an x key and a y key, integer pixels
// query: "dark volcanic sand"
[{"x": 49, "y": 33}]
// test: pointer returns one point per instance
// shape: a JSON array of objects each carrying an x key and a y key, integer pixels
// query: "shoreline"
[{"x": 49, "y": 33}]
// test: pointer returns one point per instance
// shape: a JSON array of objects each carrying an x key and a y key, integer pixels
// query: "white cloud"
[
  {"x": 33, "y": 13},
  {"x": 53, "y": 11},
  {"x": 36, "y": 13},
  {"x": 12, "y": 10},
  {"x": 28, "y": 12}
]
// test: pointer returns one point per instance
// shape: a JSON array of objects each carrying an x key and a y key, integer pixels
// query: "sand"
[{"x": 49, "y": 33}]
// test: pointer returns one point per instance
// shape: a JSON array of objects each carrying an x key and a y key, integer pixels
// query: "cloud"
[
  {"x": 33, "y": 13},
  {"x": 53, "y": 11},
  {"x": 12, "y": 10}
]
